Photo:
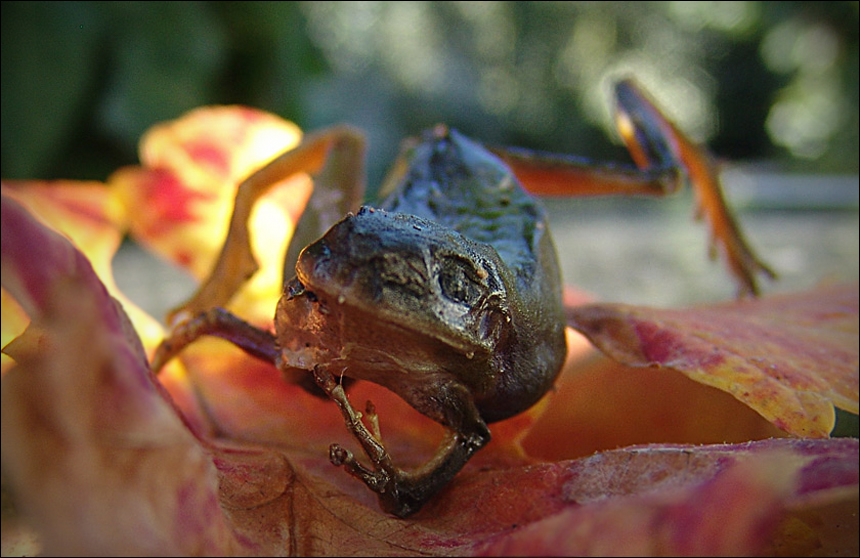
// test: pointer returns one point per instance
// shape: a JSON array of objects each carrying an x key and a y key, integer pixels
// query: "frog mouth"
[{"x": 322, "y": 321}]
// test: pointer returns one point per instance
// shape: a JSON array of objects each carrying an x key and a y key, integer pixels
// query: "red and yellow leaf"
[
  {"x": 180, "y": 200},
  {"x": 15, "y": 321},
  {"x": 790, "y": 357},
  {"x": 91, "y": 216},
  {"x": 101, "y": 459},
  {"x": 86, "y": 212}
]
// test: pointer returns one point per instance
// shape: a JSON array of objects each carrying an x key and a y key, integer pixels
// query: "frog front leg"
[
  {"x": 217, "y": 322},
  {"x": 402, "y": 492}
]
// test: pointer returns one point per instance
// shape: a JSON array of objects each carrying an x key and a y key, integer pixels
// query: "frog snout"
[
  {"x": 331, "y": 261},
  {"x": 312, "y": 260}
]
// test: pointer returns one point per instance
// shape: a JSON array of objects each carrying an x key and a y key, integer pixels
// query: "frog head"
[{"x": 409, "y": 275}]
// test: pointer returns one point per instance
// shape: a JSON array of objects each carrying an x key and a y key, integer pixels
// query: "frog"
[{"x": 447, "y": 292}]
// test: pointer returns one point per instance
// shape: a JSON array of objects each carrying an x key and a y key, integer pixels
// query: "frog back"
[{"x": 457, "y": 183}]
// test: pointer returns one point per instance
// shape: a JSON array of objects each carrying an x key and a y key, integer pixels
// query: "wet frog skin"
[
  {"x": 457, "y": 311},
  {"x": 478, "y": 293},
  {"x": 447, "y": 292}
]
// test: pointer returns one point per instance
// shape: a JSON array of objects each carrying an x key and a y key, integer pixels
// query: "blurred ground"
[{"x": 651, "y": 252}]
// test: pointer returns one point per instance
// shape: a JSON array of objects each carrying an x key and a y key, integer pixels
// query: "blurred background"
[
  {"x": 773, "y": 81},
  {"x": 770, "y": 87}
]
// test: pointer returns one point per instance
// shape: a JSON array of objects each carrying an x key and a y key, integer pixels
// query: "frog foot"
[{"x": 399, "y": 493}]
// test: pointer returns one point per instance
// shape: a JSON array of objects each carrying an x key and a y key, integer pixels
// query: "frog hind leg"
[
  {"x": 335, "y": 156},
  {"x": 665, "y": 159},
  {"x": 655, "y": 142},
  {"x": 401, "y": 492}
]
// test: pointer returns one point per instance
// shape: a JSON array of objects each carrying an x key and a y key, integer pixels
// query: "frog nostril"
[{"x": 317, "y": 251}]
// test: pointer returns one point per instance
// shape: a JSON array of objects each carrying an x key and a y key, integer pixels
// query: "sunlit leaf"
[
  {"x": 85, "y": 212},
  {"x": 101, "y": 461},
  {"x": 790, "y": 357},
  {"x": 180, "y": 199},
  {"x": 15, "y": 321},
  {"x": 91, "y": 216}
]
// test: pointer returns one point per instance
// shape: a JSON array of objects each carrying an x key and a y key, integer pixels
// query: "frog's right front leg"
[
  {"x": 256, "y": 342},
  {"x": 402, "y": 492},
  {"x": 217, "y": 322}
]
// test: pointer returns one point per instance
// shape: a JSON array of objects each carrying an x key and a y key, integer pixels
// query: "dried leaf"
[
  {"x": 789, "y": 357},
  {"x": 86, "y": 212},
  {"x": 693, "y": 501},
  {"x": 15, "y": 321},
  {"x": 90, "y": 215}
]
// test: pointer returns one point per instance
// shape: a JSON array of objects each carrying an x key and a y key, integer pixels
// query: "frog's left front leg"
[{"x": 401, "y": 492}]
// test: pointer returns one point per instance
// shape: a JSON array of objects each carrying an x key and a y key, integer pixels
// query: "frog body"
[{"x": 470, "y": 297}]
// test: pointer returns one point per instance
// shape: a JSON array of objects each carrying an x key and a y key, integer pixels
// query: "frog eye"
[
  {"x": 458, "y": 281},
  {"x": 404, "y": 274}
]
